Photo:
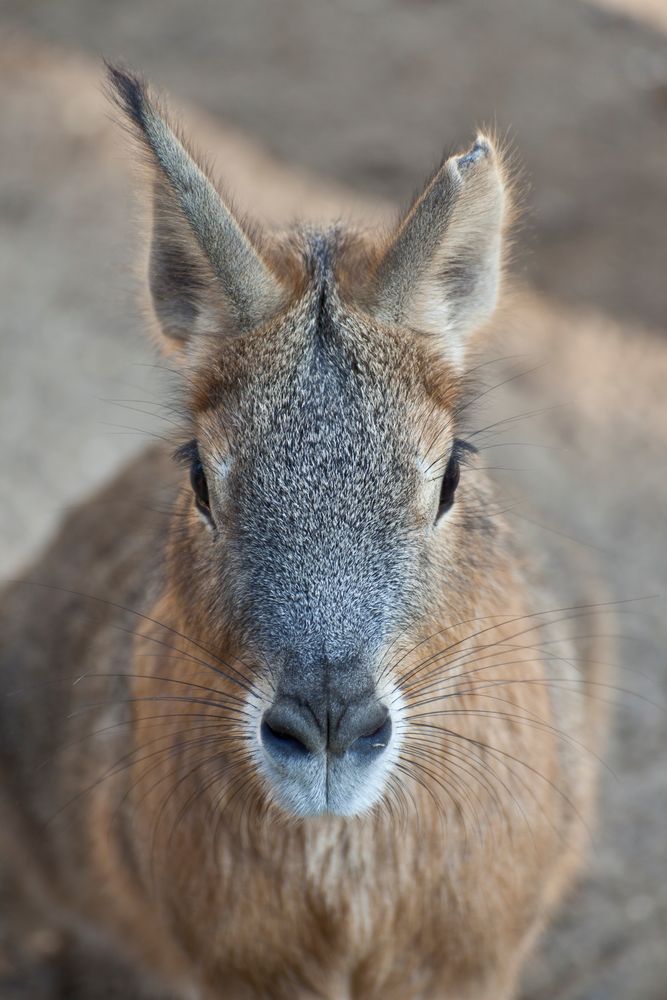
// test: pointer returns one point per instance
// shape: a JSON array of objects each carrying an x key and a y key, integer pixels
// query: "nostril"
[
  {"x": 290, "y": 732},
  {"x": 374, "y": 743},
  {"x": 281, "y": 743}
]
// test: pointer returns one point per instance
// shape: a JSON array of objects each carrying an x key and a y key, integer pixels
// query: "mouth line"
[{"x": 327, "y": 783}]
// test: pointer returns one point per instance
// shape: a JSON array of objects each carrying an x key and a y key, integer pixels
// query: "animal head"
[{"x": 327, "y": 519}]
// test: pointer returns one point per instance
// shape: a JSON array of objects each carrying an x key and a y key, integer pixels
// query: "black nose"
[{"x": 291, "y": 730}]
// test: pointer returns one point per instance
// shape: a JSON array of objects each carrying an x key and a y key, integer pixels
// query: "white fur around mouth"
[{"x": 326, "y": 784}]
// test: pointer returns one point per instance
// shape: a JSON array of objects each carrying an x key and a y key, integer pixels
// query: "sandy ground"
[{"x": 366, "y": 94}]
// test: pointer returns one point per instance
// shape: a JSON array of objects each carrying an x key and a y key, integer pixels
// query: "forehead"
[
  {"x": 324, "y": 371},
  {"x": 330, "y": 369}
]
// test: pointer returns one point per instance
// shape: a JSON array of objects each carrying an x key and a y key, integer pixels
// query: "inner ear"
[
  {"x": 182, "y": 285},
  {"x": 440, "y": 271},
  {"x": 202, "y": 255}
]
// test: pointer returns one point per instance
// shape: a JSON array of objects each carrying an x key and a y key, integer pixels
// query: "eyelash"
[
  {"x": 450, "y": 479},
  {"x": 189, "y": 455}
]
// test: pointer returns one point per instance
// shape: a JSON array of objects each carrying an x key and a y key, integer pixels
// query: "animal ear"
[
  {"x": 441, "y": 270},
  {"x": 206, "y": 271}
]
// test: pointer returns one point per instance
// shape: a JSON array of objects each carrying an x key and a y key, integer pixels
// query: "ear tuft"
[{"x": 128, "y": 92}]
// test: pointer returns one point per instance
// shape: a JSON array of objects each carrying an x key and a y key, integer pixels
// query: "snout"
[{"x": 323, "y": 757}]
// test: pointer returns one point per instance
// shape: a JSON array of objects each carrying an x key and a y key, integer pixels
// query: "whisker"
[
  {"x": 515, "y": 718},
  {"x": 505, "y": 754},
  {"x": 139, "y": 722},
  {"x": 131, "y": 611},
  {"x": 548, "y": 622}
]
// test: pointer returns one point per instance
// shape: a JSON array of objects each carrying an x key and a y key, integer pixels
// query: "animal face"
[
  {"x": 324, "y": 379},
  {"x": 319, "y": 497}
]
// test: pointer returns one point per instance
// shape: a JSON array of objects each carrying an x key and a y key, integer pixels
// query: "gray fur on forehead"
[
  {"x": 324, "y": 480},
  {"x": 329, "y": 378}
]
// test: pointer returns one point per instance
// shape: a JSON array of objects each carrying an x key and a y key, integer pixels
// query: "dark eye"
[
  {"x": 188, "y": 455},
  {"x": 450, "y": 480},
  {"x": 199, "y": 484}
]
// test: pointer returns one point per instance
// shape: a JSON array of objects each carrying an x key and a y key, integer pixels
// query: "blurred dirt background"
[{"x": 316, "y": 108}]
